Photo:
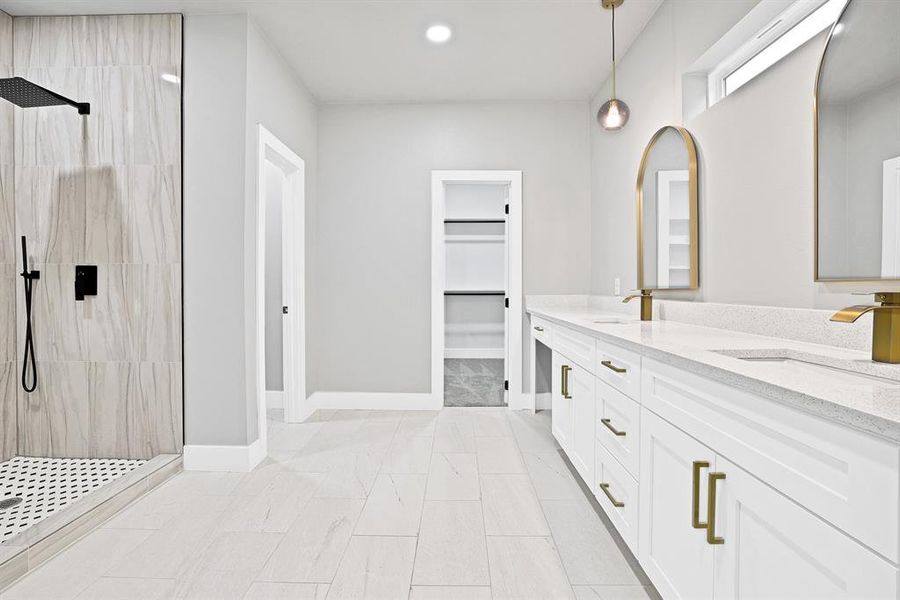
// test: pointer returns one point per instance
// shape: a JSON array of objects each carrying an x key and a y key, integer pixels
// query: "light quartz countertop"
[{"x": 870, "y": 404}]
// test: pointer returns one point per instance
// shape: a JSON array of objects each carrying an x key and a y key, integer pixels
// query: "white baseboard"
[
  {"x": 241, "y": 459},
  {"x": 543, "y": 401},
  {"x": 274, "y": 399},
  {"x": 376, "y": 401}
]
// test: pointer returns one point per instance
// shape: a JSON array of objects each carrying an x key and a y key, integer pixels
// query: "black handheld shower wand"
[{"x": 29, "y": 277}]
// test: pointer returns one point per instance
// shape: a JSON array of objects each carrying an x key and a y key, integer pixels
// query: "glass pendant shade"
[{"x": 613, "y": 115}]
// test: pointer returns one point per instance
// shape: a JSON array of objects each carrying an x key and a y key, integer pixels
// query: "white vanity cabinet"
[
  {"x": 573, "y": 424},
  {"x": 749, "y": 542},
  {"x": 673, "y": 552},
  {"x": 774, "y": 548},
  {"x": 561, "y": 402},
  {"x": 803, "y": 507}
]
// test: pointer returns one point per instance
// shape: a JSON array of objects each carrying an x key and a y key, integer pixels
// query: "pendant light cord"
[{"x": 614, "y": 49}]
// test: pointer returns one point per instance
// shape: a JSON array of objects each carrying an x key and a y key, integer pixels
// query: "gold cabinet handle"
[
  {"x": 536, "y": 328},
  {"x": 564, "y": 381},
  {"x": 711, "y": 510},
  {"x": 608, "y": 424},
  {"x": 616, "y": 503},
  {"x": 608, "y": 364},
  {"x": 695, "y": 494}
]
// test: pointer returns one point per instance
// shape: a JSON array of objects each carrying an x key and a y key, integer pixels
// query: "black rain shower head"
[{"x": 22, "y": 92}]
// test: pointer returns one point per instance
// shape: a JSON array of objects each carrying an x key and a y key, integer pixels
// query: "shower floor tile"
[{"x": 46, "y": 485}]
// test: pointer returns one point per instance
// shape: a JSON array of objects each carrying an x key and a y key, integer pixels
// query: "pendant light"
[{"x": 614, "y": 113}]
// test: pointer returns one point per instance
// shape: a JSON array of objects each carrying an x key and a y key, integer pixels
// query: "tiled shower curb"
[{"x": 37, "y": 544}]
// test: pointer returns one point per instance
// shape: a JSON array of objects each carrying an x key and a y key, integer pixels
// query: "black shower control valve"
[{"x": 85, "y": 281}]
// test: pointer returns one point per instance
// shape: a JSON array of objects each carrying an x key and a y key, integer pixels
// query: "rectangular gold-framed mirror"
[
  {"x": 857, "y": 146},
  {"x": 668, "y": 245}
]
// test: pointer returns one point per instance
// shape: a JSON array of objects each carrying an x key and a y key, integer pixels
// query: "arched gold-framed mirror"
[
  {"x": 668, "y": 244},
  {"x": 856, "y": 114}
]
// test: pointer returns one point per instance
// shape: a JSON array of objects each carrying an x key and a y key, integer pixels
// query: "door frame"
[
  {"x": 515, "y": 316},
  {"x": 297, "y": 408}
]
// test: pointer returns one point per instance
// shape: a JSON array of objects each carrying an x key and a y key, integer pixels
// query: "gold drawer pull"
[
  {"x": 608, "y": 424},
  {"x": 695, "y": 494},
  {"x": 711, "y": 510},
  {"x": 565, "y": 382},
  {"x": 536, "y": 328},
  {"x": 616, "y": 503},
  {"x": 608, "y": 364}
]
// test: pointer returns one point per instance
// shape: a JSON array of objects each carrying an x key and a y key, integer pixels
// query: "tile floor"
[
  {"x": 473, "y": 382},
  {"x": 467, "y": 503}
]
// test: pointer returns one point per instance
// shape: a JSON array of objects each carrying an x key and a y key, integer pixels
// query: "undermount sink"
[
  {"x": 613, "y": 320},
  {"x": 823, "y": 369}
]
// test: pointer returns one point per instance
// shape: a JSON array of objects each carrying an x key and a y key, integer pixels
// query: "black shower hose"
[{"x": 29, "y": 278}]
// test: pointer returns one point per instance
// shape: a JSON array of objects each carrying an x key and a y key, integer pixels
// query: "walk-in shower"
[{"x": 91, "y": 405}]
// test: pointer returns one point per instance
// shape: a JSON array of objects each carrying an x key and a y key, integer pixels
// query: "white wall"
[
  {"x": 756, "y": 166},
  {"x": 234, "y": 80},
  {"x": 214, "y": 108},
  {"x": 373, "y": 246}
]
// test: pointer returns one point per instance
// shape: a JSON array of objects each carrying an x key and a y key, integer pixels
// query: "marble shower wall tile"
[
  {"x": 155, "y": 233},
  {"x": 54, "y": 420},
  {"x": 7, "y": 313},
  {"x": 7, "y": 209},
  {"x": 8, "y": 377},
  {"x": 102, "y": 189},
  {"x": 107, "y": 215},
  {"x": 157, "y": 136},
  {"x": 135, "y": 409},
  {"x": 50, "y": 212},
  {"x": 7, "y": 113},
  {"x": 8, "y": 436}
]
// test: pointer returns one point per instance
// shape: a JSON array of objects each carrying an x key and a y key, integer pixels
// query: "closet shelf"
[
  {"x": 474, "y": 220},
  {"x": 474, "y": 293}
]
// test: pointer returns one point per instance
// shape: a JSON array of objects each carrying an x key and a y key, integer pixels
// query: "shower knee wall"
[{"x": 105, "y": 190}]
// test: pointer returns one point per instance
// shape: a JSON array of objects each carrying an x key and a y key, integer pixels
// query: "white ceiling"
[{"x": 375, "y": 50}]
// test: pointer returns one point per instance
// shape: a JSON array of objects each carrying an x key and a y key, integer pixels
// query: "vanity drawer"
[
  {"x": 847, "y": 477},
  {"x": 614, "y": 484},
  {"x": 577, "y": 347},
  {"x": 619, "y": 368},
  {"x": 541, "y": 330},
  {"x": 618, "y": 426}
]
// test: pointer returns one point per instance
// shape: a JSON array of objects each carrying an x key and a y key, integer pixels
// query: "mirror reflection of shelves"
[{"x": 673, "y": 228}]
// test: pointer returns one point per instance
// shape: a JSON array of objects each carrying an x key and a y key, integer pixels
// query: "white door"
[
  {"x": 275, "y": 156},
  {"x": 561, "y": 405},
  {"x": 772, "y": 548},
  {"x": 674, "y": 553},
  {"x": 581, "y": 446}
]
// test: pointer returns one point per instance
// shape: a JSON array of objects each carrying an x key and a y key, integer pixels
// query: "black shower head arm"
[
  {"x": 26, "y": 94},
  {"x": 84, "y": 108}
]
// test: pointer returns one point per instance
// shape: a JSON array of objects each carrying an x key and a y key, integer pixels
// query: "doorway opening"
[
  {"x": 477, "y": 288},
  {"x": 280, "y": 283}
]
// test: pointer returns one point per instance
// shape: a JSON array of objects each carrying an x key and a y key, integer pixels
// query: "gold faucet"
[
  {"x": 646, "y": 304},
  {"x": 886, "y": 325}
]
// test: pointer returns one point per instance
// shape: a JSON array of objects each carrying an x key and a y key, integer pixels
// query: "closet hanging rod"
[{"x": 474, "y": 220}]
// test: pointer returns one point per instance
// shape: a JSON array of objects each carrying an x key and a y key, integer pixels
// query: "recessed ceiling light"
[{"x": 439, "y": 34}]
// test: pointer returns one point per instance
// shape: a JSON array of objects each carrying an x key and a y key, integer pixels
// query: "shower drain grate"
[{"x": 31, "y": 488}]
